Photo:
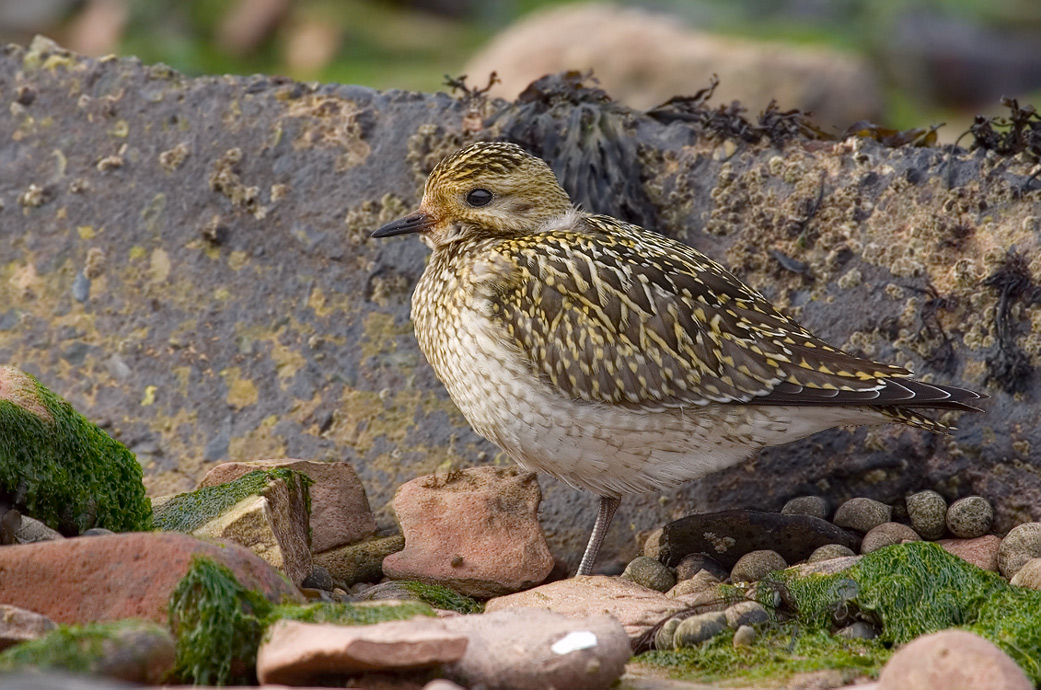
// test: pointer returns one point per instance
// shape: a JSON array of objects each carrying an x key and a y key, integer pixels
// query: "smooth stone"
[
  {"x": 927, "y": 511},
  {"x": 858, "y": 631},
  {"x": 814, "y": 506},
  {"x": 744, "y": 636},
  {"x": 982, "y": 552},
  {"x": 664, "y": 638},
  {"x": 319, "y": 579},
  {"x": 21, "y": 625},
  {"x": 1022, "y": 543},
  {"x": 970, "y": 517},
  {"x": 862, "y": 514},
  {"x": 693, "y": 563},
  {"x": 887, "y": 534},
  {"x": 756, "y": 565},
  {"x": 701, "y": 582},
  {"x": 746, "y": 613},
  {"x": 952, "y": 660},
  {"x": 694, "y": 630},
  {"x": 1029, "y": 575},
  {"x": 32, "y": 531},
  {"x": 828, "y": 552},
  {"x": 649, "y": 573}
]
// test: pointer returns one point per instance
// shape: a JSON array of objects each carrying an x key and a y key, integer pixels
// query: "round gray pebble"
[
  {"x": 744, "y": 636},
  {"x": 701, "y": 582},
  {"x": 696, "y": 629},
  {"x": 828, "y": 552},
  {"x": 887, "y": 534},
  {"x": 858, "y": 631},
  {"x": 649, "y": 573},
  {"x": 665, "y": 637},
  {"x": 319, "y": 578},
  {"x": 746, "y": 613},
  {"x": 814, "y": 506},
  {"x": 755, "y": 565},
  {"x": 1020, "y": 545},
  {"x": 970, "y": 517},
  {"x": 928, "y": 513},
  {"x": 862, "y": 514},
  {"x": 693, "y": 563}
]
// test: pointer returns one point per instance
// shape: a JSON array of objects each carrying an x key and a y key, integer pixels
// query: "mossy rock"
[
  {"x": 908, "y": 590},
  {"x": 189, "y": 511},
  {"x": 61, "y": 469}
]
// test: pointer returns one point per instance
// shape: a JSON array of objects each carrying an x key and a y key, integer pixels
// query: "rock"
[
  {"x": 295, "y": 653},
  {"x": 31, "y": 531},
  {"x": 652, "y": 545},
  {"x": 636, "y": 607},
  {"x": 122, "y": 576},
  {"x": 442, "y": 684},
  {"x": 862, "y": 514},
  {"x": 970, "y": 517},
  {"x": 756, "y": 565},
  {"x": 952, "y": 660},
  {"x": 1022, "y": 543},
  {"x": 664, "y": 638},
  {"x": 830, "y": 566},
  {"x": 1029, "y": 575},
  {"x": 340, "y": 513},
  {"x": 829, "y": 551},
  {"x": 643, "y": 59},
  {"x": 744, "y": 636},
  {"x": 696, "y": 629},
  {"x": 728, "y": 535},
  {"x": 21, "y": 625},
  {"x": 982, "y": 552},
  {"x": 858, "y": 631},
  {"x": 745, "y": 613},
  {"x": 649, "y": 573},
  {"x": 476, "y": 531},
  {"x": 319, "y": 579},
  {"x": 928, "y": 513},
  {"x": 887, "y": 534},
  {"x": 693, "y": 563},
  {"x": 349, "y": 565},
  {"x": 97, "y": 532},
  {"x": 530, "y": 648},
  {"x": 814, "y": 506},
  {"x": 701, "y": 582},
  {"x": 134, "y": 651}
]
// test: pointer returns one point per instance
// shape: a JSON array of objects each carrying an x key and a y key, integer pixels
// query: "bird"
[{"x": 613, "y": 357}]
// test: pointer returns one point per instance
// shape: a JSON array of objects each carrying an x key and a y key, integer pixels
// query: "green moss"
[
  {"x": 60, "y": 468},
  {"x": 908, "y": 590},
  {"x": 441, "y": 597},
  {"x": 188, "y": 511},
  {"x": 351, "y": 614},
  {"x": 77, "y": 649}
]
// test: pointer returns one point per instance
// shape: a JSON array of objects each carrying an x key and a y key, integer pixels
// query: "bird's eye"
[{"x": 479, "y": 197}]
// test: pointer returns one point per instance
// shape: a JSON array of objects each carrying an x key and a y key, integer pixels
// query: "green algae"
[
  {"x": 62, "y": 469},
  {"x": 441, "y": 597},
  {"x": 188, "y": 511},
  {"x": 219, "y": 624},
  {"x": 78, "y": 649},
  {"x": 906, "y": 590}
]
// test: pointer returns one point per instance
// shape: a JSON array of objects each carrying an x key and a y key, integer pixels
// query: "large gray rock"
[{"x": 187, "y": 262}]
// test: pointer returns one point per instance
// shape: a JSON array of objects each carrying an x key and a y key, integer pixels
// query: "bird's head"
[{"x": 488, "y": 189}]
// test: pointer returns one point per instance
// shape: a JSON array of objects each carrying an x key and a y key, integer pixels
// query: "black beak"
[{"x": 412, "y": 223}]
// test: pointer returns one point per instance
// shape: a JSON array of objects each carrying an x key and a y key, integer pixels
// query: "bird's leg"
[{"x": 608, "y": 504}]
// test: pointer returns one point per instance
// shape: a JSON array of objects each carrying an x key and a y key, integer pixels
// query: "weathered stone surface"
[
  {"x": 1021, "y": 544},
  {"x": 476, "y": 531},
  {"x": 362, "y": 562},
  {"x": 729, "y": 535},
  {"x": 970, "y": 517},
  {"x": 887, "y": 534},
  {"x": 928, "y": 513},
  {"x": 20, "y": 625},
  {"x": 649, "y": 573},
  {"x": 862, "y": 514},
  {"x": 132, "y": 575},
  {"x": 826, "y": 567},
  {"x": 952, "y": 660},
  {"x": 636, "y": 607},
  {"x": 696, "y": 629},
  {"x": 206, "y": 288},
  {"x": 1029, "y": 575},
  {"x": 829, "y": 551},
  {"x": 982, "y": 552},
  {"x": 755, "y": 565},
  {"x": 296, "y": 653},
  {"x": 745, "y": 613},
  {"x": 340, "y": 513},
  {"x": 814, "y": 506}
]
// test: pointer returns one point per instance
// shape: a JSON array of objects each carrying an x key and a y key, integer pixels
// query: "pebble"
[
  {"x": 887, "y": 534},
  {"x": 862, "y": 514},
  {"x": 970, "y": 517},
  {"x": 858, "y": 631},
  {"x": 952, "y": 660},
  {"x": 32, "y": 531},
  {"x": 1021, "y": 544},
  {"x": 828, "y": 552},
  {"x": 982, "y": 552},
  {"x": 319, "y": 579},
  {"x": 1029, "y": 575},
  {"x": 97, "y": 532},
  {"x": 814, "y": 506},
  {"x": 928, "y": 513},
  {"x": 652, "y": 546},
  {"x": 701, "y": 582},
  {"x": 665, "y": 637},
  {"x": 20, "y": 625},
  {"x": 649, "y": 573},
  {"x": 756, "y": 565},
  {"x": 744, "y": 636},
  {"x": 746, "y": 613},
  {"x": 693, "y": 563},
  {"x": 696, "y": 629}
]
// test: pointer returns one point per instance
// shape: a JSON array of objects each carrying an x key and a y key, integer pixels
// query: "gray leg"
[{"x": 608, "y": 504}]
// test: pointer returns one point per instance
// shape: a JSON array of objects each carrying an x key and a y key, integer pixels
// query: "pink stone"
[
  {"x": 982, "y": 552},
  {"x": 952, "y": 660}
]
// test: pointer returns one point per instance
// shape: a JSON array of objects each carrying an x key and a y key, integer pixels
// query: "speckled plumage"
[{"x": 615, "y": 358}]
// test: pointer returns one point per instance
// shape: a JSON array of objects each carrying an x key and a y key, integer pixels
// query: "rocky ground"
[{"x": 273, "y": 572}]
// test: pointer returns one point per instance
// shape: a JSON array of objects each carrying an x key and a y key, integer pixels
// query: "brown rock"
[
  {"x": 887, "y": 534},
  {"x": 1029, "y": 575},
  {"x": 296, "y": 653},
  {"x": 340, "y": 512},
  {"x": 636, "y": 607},
  {"x": 532, "y": 648},
  {"x": 982, "y": 552},
  {"x": 1022, "y": 543},
  {"x": 349, "y": 565},
  {"x": 129, "y": 575},
  {"x": 476, "y": 531},
  {"x": 952, "y": 660},
  {"x": 20, "y": 625}
]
